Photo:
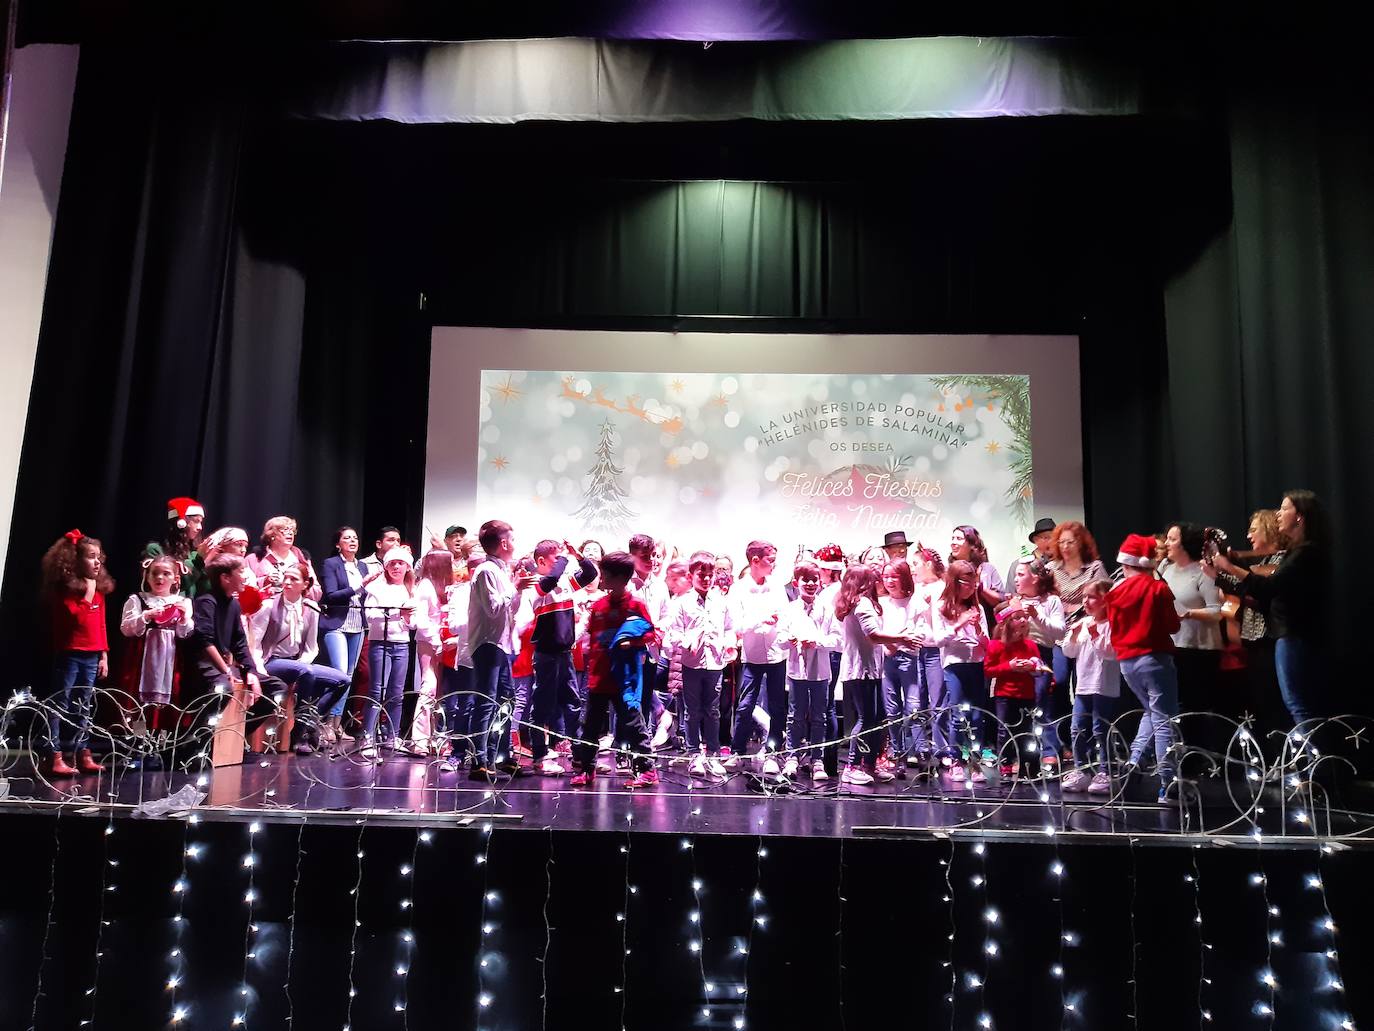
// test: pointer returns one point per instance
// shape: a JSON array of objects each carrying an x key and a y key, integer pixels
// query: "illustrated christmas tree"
[{"x": 603, "y": 502}]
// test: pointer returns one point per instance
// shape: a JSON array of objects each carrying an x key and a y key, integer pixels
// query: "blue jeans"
[
  {"x": 901, "y": 674},
  {"x": 867, "y": 696},
  {"x": 388, "y": 663},
  {"x": 928, "y": 693},
  {"x": 343, "y": 649},
  {"x": 761, "y": 683},
  {"x": 806, "y": 716},
  {"x": 71, "y": 699},
  {"x": 965, "y": 683},
  {"x": 1299, "y": 663},
  {"x": 491, "y": 680},
  {"x": 1153, "y": 679},
  {"x": 555, "y": 690},
  {"x": 1045, "y": 684},
  {"x": 520, "y": 714},
  {"x": 456, "y": 703},
  {"x": 1097, "y": 710},
  {"x": 701, "y": 700},
  {"x": 321, "y": 685}
]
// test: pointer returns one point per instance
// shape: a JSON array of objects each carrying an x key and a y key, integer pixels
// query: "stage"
[{"x": 416, "y": 792}]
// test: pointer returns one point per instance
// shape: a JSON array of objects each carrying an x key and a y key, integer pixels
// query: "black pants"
[
  {"x": 629, "y": 726},
  {"x": 1014, "y": 722}
]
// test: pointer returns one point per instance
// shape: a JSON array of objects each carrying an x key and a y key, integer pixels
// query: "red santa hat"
[
  {"x": 1137, "y": 550},
  {"x": 180, "y": 508}
]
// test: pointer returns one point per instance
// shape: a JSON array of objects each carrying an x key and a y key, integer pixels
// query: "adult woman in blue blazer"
[{"x": 342, "y": 627}]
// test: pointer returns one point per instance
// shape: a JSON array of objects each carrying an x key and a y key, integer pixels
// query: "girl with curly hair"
[{"x": 75, "y": 584}]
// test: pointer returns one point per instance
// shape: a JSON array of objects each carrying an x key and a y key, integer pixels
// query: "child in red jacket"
[
  {"x": 1141, "y": 612},
  {"x": 1013, "y": 661}
]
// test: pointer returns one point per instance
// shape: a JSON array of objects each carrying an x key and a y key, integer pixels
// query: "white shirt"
[
  {"x": 898, "y": 616},
  {"x": 353, "y": 622},
  {"x": 860, "y": 658},
  {"x": 1194, "y": 589},
  {"x": 703, "y": 628},
  {"x": 458, "y": 623},
  {"x": 492, "y": 605},
  {"x": 1047, "y": 625},
  {"x": 429, "y": 615},
  {"x": 755, "y": 603},
  {"x": 390, "y": 612},
  {"x": 966, "y": 644},
  {"x": 814, "y": 622},
  {"x": 1098, "y": 671}
]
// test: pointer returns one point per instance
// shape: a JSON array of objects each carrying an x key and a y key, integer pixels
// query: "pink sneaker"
[
  {"x": 583, "y": 780},
  {"x": 647, "y": 779}
]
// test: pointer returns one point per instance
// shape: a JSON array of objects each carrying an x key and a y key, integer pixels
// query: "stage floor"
[{"x": 414, "y": 791}]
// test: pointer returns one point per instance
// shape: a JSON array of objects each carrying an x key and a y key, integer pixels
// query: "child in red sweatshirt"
[
  {"x": 1012, "y": 663},
  {"x": 1141, "y": 612}
]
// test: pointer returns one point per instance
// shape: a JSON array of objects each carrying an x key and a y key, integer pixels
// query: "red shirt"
[
  {"x": 1142, "y": 614},
  {"x": 605, "y": 616},
  {"x": 78, "y": 625},
  {"x": 523, "y": 666},
  {"x": 1008, "y": 682}
]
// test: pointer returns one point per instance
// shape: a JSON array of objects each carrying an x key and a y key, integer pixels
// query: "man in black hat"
[
  {"x": 1042, "y": 540},
  {"x": 895, "y": 544}
]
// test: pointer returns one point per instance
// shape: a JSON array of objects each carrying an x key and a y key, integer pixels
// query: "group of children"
[{"x": 883, "y": 663}]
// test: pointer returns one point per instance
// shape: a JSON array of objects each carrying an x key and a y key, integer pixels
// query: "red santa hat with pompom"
[
  {"x": 1138, "y": 551},
  {"x": 180, "y": 508}
]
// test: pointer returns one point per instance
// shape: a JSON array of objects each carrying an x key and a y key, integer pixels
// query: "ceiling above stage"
[{"x": 88, "y": 21}]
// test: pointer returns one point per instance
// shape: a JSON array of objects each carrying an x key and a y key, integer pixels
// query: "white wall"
[{"x": 40, "y": 111}]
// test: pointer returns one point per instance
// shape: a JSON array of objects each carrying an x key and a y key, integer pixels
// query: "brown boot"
[
  {"x": 85, "y": 762},
  {"x": 56, "y": 766}
]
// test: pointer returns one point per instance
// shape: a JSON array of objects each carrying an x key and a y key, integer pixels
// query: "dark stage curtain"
[{"x": 234, "y": 304}]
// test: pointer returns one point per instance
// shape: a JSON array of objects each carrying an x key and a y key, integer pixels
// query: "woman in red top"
[
  {"x": 75, "y": 584},
  {"x": 1013, "y": 662}
]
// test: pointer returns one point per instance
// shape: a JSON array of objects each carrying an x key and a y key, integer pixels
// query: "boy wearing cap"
[{"x": 1142, "y": 616}]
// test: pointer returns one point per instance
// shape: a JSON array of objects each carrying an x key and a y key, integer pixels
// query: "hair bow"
[{"x": 73, "y": 535}]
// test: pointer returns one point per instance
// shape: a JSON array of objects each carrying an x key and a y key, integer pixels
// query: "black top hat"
[
  {"x": 1041, "y": 526},
  {"x": 894, "y": 538}
]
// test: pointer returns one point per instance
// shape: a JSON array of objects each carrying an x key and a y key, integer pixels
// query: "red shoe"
[
  {"x": 647, "y": 779},
  {"x": 56, "y": 766},
  {"x": 584, "y": 779},
  {"x": 85, "y": 762},
  {"x": 1008, "y": 771}
]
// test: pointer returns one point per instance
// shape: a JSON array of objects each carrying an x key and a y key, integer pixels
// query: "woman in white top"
[
  {"x": 1198, "y": 601},
  {"x": 1035, "y": 596},
  {"x": 861, "y": 667},
  {"x": 431, "y": 594},
  {"x": 389, "y": 607},
  {"x": 959, "y": 631}
]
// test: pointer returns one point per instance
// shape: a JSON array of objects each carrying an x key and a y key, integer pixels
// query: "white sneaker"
[
  {"x": 714, "y": 767},
  {"x": 883, "y": 776},
  {"x": 1101, "y": 784},
  {"x": 604, "y": 745},
  {"x": 818, "y": 771},
  {"x": 978, "y": 776},
  {"x": 770, "y": 767},
  {"x": 605, "y": 765},
  {"x": 731, "y": 762},
  {"x": 855, "y": 775},
  {"x": 371, "y": 753},
  {"x": 551, "y": 768},
  {"x": 789, "y": 768},
  {"x": 698, "y": 767},
  {"x": 665, "y": 725},
  {"x": 1074, "y": 780}
]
